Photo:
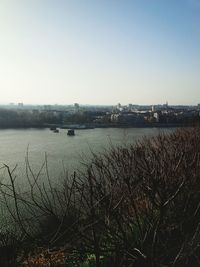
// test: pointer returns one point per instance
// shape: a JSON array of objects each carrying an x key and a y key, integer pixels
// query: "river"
[{"x": 63, "y": 152}]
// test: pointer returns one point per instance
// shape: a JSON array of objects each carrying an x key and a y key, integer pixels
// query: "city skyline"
[
  {"x": 100, "y": 52},
  {"x": 22, "y": 104}
]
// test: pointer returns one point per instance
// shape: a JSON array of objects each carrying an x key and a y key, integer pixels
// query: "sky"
[{"x": 100, "y": 51}]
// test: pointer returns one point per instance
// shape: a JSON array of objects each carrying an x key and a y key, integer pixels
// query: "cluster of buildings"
[
  {"x": 136, "y": 115},
  {"x": 118, "y": 115}
]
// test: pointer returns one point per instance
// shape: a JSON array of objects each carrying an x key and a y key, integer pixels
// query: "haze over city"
[{"x": 100, "y": 52}]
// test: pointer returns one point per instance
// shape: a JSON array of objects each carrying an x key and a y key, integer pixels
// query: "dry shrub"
[{"x": 132, "y": 206}]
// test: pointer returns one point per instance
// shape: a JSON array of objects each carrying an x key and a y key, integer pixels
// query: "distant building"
[
  {"x": 119, "y": 107},
  {"x": 166, "y": 105},
  {"x": 76, "y": 107},
  {"x": 130, "y": 107},
  {"x": 115, "y": 118},
  {"x": 47, "y": 107},
  {"x": 156, "y": 116}
]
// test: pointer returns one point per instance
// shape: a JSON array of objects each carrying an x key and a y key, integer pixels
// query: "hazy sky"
[{"x": 100, "y": 51}]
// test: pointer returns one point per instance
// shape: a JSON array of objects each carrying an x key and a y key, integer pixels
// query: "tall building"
[
  {"x": 20, "y": 105},
  {"x": 76, "y": 107}
]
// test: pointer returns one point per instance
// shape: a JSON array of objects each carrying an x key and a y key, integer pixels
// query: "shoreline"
[{"x": 94, "y": 126}]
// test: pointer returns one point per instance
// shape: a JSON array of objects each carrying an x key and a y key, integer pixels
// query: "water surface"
[{"x": 63, "y": 152}]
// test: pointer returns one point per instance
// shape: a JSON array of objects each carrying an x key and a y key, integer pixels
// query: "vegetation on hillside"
[{"x": 132, "y": 206}]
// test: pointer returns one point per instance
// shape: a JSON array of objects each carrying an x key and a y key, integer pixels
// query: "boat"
[
  {"x": 56, "y": 131},
  {"x": 71, "y": 132},
  {"x": 53, "y": 128}
]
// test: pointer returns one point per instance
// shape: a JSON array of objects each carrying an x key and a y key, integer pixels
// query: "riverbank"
[{"x": 95, "y": 125}]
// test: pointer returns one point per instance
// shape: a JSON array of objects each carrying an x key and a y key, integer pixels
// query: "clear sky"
[{"x": 100, "y": 51}]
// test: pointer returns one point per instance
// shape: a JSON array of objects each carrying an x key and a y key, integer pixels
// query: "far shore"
[{"x": 93, "y": 126}]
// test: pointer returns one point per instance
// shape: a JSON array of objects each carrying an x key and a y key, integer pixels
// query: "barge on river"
[{"x": 71, "y": 132}]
